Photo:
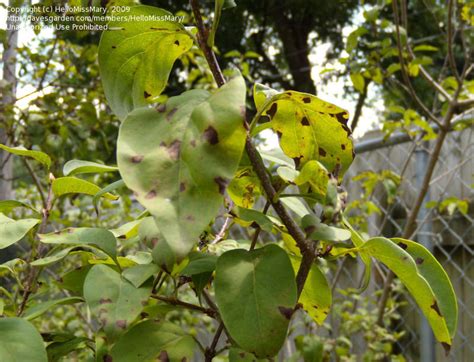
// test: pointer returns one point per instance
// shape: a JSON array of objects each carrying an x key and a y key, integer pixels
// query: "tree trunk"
[{"x": 7, "y": 101}]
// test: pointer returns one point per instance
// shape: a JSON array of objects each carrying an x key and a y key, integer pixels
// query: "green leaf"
[
  {"x": 97, "y": 237},
  {"x": 136, "y": 57},
  {"x": 239, "y": 355},
  {"x": 313, "y": 178},
  {"x": 200, "y": 263},
  {"x": 64, "y": 346},
  {"x": 153, "y": 341},
  {"x": 75, "y": 167},
  {"x": 74, "y": 280},
  {"x": 161, "y": 154},
  {"x": 358, "y": 81},
  {"x": 53, "y": 258},
  {"x": 39, "y": 156},
  {"x": 12, "y": 231},
  {"x": 250, "y": 216},
  {"x": 113, "y": 186},
  {"x": 425, "y": 48},
  {"x": 40, "y": 308},
  {"x": 256, "y": 295},
  {"x": 358, "y": 241},
  {"x": 437, "y": 302},
  {"x": 20, "y": 342},
  {"x": 316, "y": 230},
  {"x": 73, "y": 185},
  {"x": 9, "y": 205},
  {"x": 114, "y": 301},
  {"x": 316, "y": 296},
  {"x": 308, "y": 127},
  {"x": 139, "y": 274}
]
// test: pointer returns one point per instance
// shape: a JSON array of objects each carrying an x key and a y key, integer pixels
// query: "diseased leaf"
[
  {"x": 153, "y": 341},
  {"x": 244, "y": 187},
  {"x": 200, "y": 263},
  {"x": 97, "y": 237},
  {"x": 64, "y": 346},
  {"x": 74, "y": 185},
  {"x": 256, "y": 295},
  {"x": 179, "y": 158},
  {"x": 438, "y": 302},
  {"x": 113, "y": 186},
  {"x": 53, "y": 258},
  {"x": 20, "y": 341},
  {"x": 12, "y": 231},
  {"x": 308, "y": 127},
  {"x": 75, "y": 167},
  {"x": 316, "y": 230},
  {"x": 113, "y": 300},
  {"x": 316, "y": 296},
  {"x": 437, "y": 278},
  {"x": 39, "y": 156},
  {"x": 136, "y": 57}
]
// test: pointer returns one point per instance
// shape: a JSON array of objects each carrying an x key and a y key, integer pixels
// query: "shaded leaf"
[
  {"x": 40, "y": 308},
  {"x": 161, "y": 154},
  {"x": 9, "y": 205},
  {"x": 100, "y": 238},
  {"x": 256, "y": 295},
  {"x": 136, "y": 57},
  {"x": 153, "y": 341},
  {"x": 139, "y": 274},
  {"x": 20, "y": 341},
  {"x": 12, "y": 231}
]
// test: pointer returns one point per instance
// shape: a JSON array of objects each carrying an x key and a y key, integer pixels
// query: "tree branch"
[
  {"x": 307, "y": 250},
  {"x": 177, "y": 302}
]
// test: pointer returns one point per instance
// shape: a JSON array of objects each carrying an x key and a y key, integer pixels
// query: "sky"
[{"x": 332, "y": 92}]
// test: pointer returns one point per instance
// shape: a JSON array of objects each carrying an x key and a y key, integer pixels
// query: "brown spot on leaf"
[
  {"x": 146, "y": 94},
  {"x": 150, "y": 195},
  {"x": 419, "y": 261},
  {"x": 193, "y": 143},
  {"x": 182, "y": 186},
  {"x": 435, "y": 307},
  {"x": 403, "y": 246},
  {"x": 342, "y": 117},
  {"x": 176, "y": 42},
  {"x": 307, "y": 100},
  {"x": 322, "y": 152},
  {"x": 310, "y": 229},
  {"x": 161, "y": 107},
  {"x": 154, "y": 241},
  {"x": 107, "y": 358},
  {"x": 315, "y": 306},
  {"x": 297, "y": 161},
  {"x": 144, "y": 315},
  {"x": 279, "y": 134},
  {"x": 137, "y": 158},
  {"x": 163, "y": 357},
  {"x": 286, "y": 312},
  {"x": 221, "y": 183},
  {"x": 305, "y": 121},
  {"x": 190, "y": 218},
  {"x": 446, "y": 347},
  {"x": 121, "y": 324},
  {"x": 273, "y": 109},
  {"x": 114, "y": 47},
  {"x": 343, "y": 147},
  {"x": 210, "y": 135},
  {"x": 174, "y": 149},
  {"x": 171, "y": 113},
  {"x": 105, "y": 301}
]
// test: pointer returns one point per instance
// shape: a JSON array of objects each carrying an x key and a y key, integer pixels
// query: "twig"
[
  {"x": 36, "y": 181},
  {"x": 360, "y": 105},
  {"x": 405, "y": 76},
  {"x": 450, "y": 36},
  {"x": 259, "y": 229},
  {"x": 307, "y": 250},
  {"x": 177, "y": 302},
  {"x": 210, "y": 352}
]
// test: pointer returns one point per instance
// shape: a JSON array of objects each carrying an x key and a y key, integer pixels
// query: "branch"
[
  {"x": 360, "y": 105},
  {"x": 405, "y": 76},
  {"x": 450, "y": 36},
  {"x": 294, "y": 230},
  {"x": 177, "y": 302}
]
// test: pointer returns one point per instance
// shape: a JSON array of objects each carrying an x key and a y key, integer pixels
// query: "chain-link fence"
[{"x": 443, "y": 226}]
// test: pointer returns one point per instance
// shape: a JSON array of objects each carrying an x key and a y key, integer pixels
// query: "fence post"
[{"x": 424, "y": 237}]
